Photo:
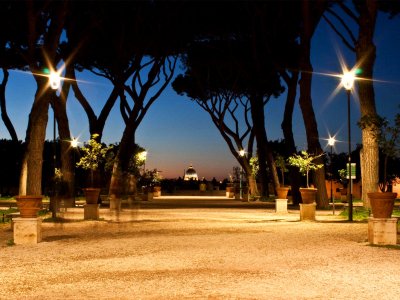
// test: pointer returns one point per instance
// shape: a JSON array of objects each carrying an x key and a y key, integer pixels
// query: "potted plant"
[
  {"x": 156, "y": 183},
  {"x": 149, "y": 182},
  {"x": 29, "y": 205},
  {"x": 305, "y": 162},
  {"x": 382, "y": 202},
  {"x": 93, "y": 154},
  {"x": 283, "y": 190}
]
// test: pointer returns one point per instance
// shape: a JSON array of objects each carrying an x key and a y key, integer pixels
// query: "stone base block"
[
  {"x": 307, "y": 212},
  {"x": 382, "y": 231},
  {"x": 91, "y": 211},
  {"x": 281, "y": 206},
  {"x": 230, "y": 194},
  {"x": 27, "y": 231}
]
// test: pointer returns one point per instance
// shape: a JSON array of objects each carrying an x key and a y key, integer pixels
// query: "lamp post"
[
  {"x": 74, "y": 145},
  {"x": 241, "y": 154},
  {"x": 347, "y": 82},
  {"x": 54, "y": 82},
  {"x": 331, "y": 142}
]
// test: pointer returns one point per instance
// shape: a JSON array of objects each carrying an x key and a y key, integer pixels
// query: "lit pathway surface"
[{"x": 219, "y": 249}]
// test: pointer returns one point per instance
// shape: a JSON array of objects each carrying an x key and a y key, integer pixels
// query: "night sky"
[{"x": 176, "y": 132}]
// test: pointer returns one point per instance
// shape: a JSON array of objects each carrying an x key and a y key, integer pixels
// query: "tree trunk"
[
  {"x": 121, "y": 163},
  {"x": 4, "y": 115},
  {"x": 253, "y": 191},
  {"x": 36, "y": 131},
  {"x": 257, "y": 114},
  {"x": 287, "y": 128},
  {"x": 365, "y": 54},
  {"x": 66, "y": 157},
  {"x": 35, "y": 137},
  {"x": 272, "y": 169},
  {"x": 310, "y": 22}
]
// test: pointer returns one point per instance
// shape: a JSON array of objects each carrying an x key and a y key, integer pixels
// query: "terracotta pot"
[
  {"x": 282, "y": 192},
  {"x": 157, "y": 191},
  {"x": 382, "y": 204},
  {"x": 308, "y": 195},
  {"x": 29, "y": 205},
  {"x": 92, "y": 195}
]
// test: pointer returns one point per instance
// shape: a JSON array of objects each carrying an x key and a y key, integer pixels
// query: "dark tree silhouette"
[{"x": 364, "y": 16}]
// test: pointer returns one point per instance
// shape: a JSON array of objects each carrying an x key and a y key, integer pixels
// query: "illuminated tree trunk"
[
  {"x": 365, "y": 54},
  {"x": 35, "y": 137},
  {"x": 66, "y": 158},
  {"x": 121, "y": 164},
  {"x": 31, "y": 172},
  {"x": 272, "y": 169}
]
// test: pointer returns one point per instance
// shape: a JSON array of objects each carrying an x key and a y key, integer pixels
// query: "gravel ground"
[{"x": 199, "y": 253}]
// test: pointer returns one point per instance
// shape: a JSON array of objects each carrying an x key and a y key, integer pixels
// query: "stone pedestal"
[
  {"x": 307, "y": 212},
  {"x": 382, "y": 231},
  {"x": 27, "y": 230},
  {"x": 281, "y": 205},
  {"x": 91, "y": 211}
]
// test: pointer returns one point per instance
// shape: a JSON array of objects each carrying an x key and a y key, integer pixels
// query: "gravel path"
[{"x": 199, "y": 253}]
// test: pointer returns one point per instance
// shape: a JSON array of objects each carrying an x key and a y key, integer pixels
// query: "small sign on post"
[{"x": 353, "y": 171}]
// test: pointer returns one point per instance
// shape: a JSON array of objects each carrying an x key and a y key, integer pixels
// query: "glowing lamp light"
[
  {"x": 54, "y": 80},
  {"x": 241, "y": 153},
  {"x": 331, "y": 141},
  {"x": 142, "y": 156},
  {"x": 74, "y": 143},
  {"x": 348, "y": 80}
]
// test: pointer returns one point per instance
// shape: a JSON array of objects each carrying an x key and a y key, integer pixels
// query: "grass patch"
[
  {"x": 5, "y": 212},
  {"x": 359, "y": 213},
  {"x": 394, "y": 247},
  {"x": 10, "y": 242},
  {"x": 362, "y": 213}
]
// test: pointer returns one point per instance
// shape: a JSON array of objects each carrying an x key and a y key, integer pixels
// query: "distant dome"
[{"x": 191, "y": 174}]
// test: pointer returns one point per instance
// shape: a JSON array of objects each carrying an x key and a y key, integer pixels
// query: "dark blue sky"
[{"x": 177, "y": 133}]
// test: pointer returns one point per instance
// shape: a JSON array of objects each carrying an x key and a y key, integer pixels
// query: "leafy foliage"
[
  {"x": 254, "y": 165},
  {"x": 304, "y": 162},
  {"x": 389, "y": 143},
  {"x": 94, "y": 153},
  {"x": 281, "y": 164}
]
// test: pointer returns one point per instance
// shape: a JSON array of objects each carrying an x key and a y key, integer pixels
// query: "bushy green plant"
[
  {"x": 93, "y": 154},
  {"x": 389, "y": 142},
  {"x": 305, "y": 162},
  {"x": 150, "y": 178},
  {"x": 281, "y": 164},
  {"x": 388, "y": 137},
  {"x": 255, "y": 167}
]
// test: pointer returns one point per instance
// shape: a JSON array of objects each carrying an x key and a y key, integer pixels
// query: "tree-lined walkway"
[{"x": 199, "y": 253}]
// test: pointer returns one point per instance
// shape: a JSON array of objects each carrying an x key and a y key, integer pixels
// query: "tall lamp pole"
[
  {"x": 74, "y": 145},
  {"x": 331, "y": 143},
  {"x": 348, "y": 82},
  {"x": 241, "y": 154},
  {"x": 54, "y": 82}
]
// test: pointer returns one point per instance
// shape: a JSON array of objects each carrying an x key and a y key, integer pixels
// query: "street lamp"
[
  {"x": 142, "y": 156},
  {"x": 348, "y": 82},
  {"x": 54, "y": 82},
  {"x": 241, "y": 154},
  {"x": 74, "y": 145},
  {"x": 331, "y": 142}
]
